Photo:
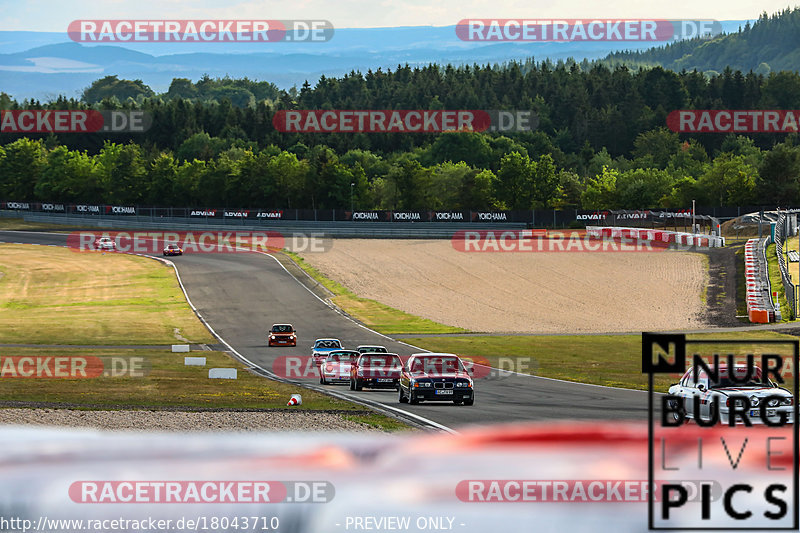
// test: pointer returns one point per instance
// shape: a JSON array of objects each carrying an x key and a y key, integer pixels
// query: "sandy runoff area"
[{"x": 540, "y": 292}]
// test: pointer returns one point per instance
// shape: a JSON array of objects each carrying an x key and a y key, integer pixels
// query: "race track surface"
[{"x": 242, "y": 294}]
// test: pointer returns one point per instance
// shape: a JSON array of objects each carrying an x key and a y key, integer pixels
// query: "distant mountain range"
[{"x": 43, "y": 65}]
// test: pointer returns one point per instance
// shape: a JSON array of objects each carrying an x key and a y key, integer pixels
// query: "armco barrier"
[
  {"x": 378, "y": 230},
  {"x": 255, "y": 215},
  {"x": 790, "y": 289},
  {"x": 760, "y": 308}
]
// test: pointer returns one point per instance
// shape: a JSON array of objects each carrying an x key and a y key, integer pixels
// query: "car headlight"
[
  {"x": 787, "y": 401},
  {"x": 773, "y": 402},
  {"x": 272, "y": 337},
  {"x": 463, "y": 384},
  {"x": 420, "y": 383}
]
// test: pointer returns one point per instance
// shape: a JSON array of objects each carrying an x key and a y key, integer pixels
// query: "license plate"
[
  {"x": 757, "y": 412},
  {"x": 385, "y": 380},
  {"x": 444, "y": 391}
]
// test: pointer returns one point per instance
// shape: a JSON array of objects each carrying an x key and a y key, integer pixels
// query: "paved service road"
[{"x": 241, "y": 295}]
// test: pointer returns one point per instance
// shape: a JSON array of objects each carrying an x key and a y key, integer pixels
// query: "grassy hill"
[{"x": 770, "y": 44}]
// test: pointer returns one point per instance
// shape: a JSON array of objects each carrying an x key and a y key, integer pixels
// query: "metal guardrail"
[
  {"x": 789, "y": 288},
  {"x": 341, "y": 229}
]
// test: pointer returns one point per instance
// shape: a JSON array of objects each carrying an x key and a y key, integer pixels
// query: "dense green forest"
[
  {"x": 770, "y": 44},
  {"x": 601, "y": 142}
]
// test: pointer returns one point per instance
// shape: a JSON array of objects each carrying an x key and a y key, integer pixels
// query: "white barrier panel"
[
  {"x": 180, "y": 348},
  {"x": 690, "y": 239},
  {"x": 194, "y": 361},
  {"x": 222, "y": 373}
]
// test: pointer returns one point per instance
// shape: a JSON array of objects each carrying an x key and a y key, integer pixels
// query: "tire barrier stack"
[
  {"x": 760, "y": 308},
  {"x": 657, "y": 235}
]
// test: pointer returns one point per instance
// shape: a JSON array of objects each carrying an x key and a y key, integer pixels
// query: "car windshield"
[
  {"x": 366, "y": 349},
  {"x": 725, "y": 383},
  {"x": 380, "y": 361},
  {"x": 341, "y": 357},
  {"x": 437, "y": 364},
  {"x": 328, "y": 344},
  {"x": 282, "y": 329}
]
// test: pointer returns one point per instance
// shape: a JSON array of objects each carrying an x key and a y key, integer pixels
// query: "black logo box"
[{"x": 678, "y": 365}]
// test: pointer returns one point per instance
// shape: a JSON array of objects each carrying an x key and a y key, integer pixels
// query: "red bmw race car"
[
  {"x": 282, "y": 335},
  {"x": 435, "y": 377},
  {"x": 376, "y": 370}
]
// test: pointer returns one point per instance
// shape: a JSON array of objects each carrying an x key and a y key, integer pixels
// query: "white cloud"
[{"x": 46, "y": 15}]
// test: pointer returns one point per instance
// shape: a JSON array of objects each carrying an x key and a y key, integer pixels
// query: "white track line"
[
  {"x": 336, "y": 309},
  {"x": 341, "y": 396},
  {"x": 371, "y": 404}
]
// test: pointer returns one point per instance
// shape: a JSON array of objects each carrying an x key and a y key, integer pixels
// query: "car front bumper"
[
  {"x": 379, "y": 383},
  {"x": 444, "y": 395},
  {"x": 773, "y": 415},
  {"x": 282, "y": 342},
  {"x": 336, "y": 378}
]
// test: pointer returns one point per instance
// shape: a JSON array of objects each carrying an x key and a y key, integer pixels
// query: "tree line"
[{"x": 600, "y": 143}]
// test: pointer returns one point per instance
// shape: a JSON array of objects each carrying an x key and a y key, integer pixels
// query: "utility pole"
[
  {"x": 351, "y": 196},
  {"x": 693, "y": 211}
]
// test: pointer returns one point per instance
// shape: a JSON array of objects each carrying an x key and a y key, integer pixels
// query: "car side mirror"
[
  {"x": 471, "y": 371},
  {"x": 701, "y": 387}
]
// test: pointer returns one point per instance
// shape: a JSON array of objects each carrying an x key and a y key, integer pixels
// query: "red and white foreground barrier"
[{"x": 666, "y": 236}]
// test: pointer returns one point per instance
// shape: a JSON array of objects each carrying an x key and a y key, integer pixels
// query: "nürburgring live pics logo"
[{"x": 742, "y": 431}]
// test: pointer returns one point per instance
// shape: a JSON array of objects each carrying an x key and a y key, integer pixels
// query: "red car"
[
  {"x": 435, "y": 377},
  {"x": 376, "y": 370},
  {"x": 282, "y": 335}
]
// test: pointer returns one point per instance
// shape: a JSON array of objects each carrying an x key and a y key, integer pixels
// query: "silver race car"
[{"x": 713, "y": 399}]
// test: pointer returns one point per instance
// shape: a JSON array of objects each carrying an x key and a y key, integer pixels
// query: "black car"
[{"x": 435, "y": 377}]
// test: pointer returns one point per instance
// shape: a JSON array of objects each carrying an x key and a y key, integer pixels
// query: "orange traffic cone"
[{"x": 296, "y": 400}]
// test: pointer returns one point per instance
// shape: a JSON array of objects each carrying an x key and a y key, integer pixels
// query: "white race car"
[
  {"x": 105, "y": 243},
  {"x": 335, "y": 368},
  {"x": 708, "y": 396},
  {"x": 371, "y": 348}
]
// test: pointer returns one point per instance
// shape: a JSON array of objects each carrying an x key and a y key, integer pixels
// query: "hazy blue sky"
[{"x": 55, "y": 15}]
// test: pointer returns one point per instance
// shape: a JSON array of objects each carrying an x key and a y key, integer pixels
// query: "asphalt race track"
[{"x": 242, "y": 294}]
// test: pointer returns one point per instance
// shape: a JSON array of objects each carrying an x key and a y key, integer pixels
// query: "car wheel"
[
  {"x": 413, "y": 400},
  {"x": 678, "y": 414},
  {"x": 359, "y": 385},
  {"x": 471, "y": 401},
  {"x": 402, "y": 397},
  {"x": 458, "y": 402}
]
